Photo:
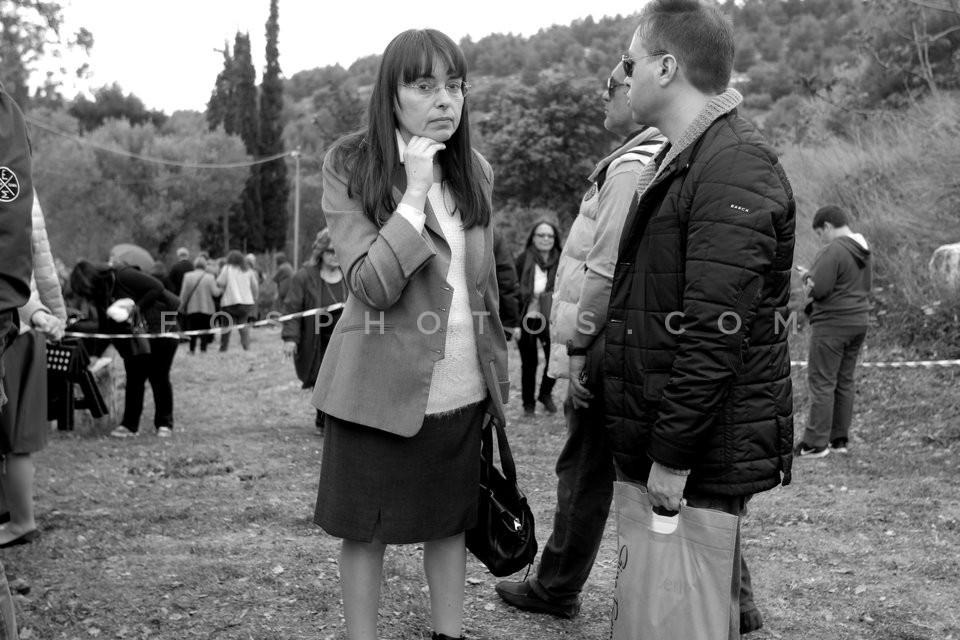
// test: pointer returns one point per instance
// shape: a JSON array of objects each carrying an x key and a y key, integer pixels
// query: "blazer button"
[{"x": 443, "y": 309}]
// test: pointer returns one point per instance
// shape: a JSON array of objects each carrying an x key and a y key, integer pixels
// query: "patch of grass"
[{"x": 209, "y": 534}]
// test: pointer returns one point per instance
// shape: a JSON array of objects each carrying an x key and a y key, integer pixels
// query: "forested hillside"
[{"x": 809, "y": 70}]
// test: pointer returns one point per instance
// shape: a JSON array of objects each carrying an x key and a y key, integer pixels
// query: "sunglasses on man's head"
[{"x": 630, "y": 63}]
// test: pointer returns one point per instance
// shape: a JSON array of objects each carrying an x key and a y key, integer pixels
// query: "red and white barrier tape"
[
  {"x": 908, "y": 364},
  {"x": 270, "y": 321},
  {"x": 277, "y": 320}
]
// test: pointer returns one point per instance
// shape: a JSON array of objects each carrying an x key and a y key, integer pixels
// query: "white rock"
[{"x": 945, "y": 267}]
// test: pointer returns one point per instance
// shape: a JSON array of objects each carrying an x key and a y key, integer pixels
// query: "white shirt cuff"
[{"x": 413, "y": 216}]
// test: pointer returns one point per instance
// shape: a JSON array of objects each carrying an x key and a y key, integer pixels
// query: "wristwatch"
[{"x": 575, "y": 351}]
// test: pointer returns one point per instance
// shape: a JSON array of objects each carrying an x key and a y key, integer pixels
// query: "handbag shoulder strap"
[
  {"x": 190, "y": 295},
  {"x": 506, "y": 456}
]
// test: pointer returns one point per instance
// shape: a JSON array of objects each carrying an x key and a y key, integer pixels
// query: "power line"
[
  {"x": 137, "y": 156},
  {"x": 46, "y": 171}
]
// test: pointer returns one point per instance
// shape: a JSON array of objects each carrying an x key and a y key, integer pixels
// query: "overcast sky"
[{"x": 164, "y": 52}]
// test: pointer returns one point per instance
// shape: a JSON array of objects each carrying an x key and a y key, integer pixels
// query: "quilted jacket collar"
[{"x": 718, "y": 107}]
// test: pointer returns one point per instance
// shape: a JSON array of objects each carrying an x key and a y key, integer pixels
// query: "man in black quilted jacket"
[{"x": 697, "y": 367}]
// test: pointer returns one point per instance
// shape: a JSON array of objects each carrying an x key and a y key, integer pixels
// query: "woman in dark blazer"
[
  {"x": 537, "y": 271},
  {"x": 419, "y": 356},
  {"x": 319, "y": 284},
  {"x": 102, "y": 286}
]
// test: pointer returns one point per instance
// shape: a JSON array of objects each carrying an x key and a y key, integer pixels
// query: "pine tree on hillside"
[{"x": 274, "y": 190}]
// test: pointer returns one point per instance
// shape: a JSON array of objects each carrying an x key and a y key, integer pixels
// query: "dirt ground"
[{"x": 209, "y": 534}]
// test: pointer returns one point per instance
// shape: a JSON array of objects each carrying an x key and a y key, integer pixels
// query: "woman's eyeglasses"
[
  {"x": 426, "y": 89},
  {"x": 630, "y": 63},
  {"x": 612, "y": 86}
]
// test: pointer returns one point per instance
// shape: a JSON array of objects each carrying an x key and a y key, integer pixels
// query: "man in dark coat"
[
  {"x": 697, "y": 387},
  {"x": 282, "y": 278},
  {"x": 509, "y": 286},
  {"x": 180, "y": 268},
  {"x": 16, "y": 264},
  {"x": 16, "y": 205}
]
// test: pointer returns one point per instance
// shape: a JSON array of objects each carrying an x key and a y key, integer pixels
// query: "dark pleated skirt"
[
  {"x": 379, "y": 486},
  {"x": 23, "y": 422}
]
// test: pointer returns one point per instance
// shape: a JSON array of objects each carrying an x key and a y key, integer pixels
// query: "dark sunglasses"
[
  {"x": 630, "y": 63},
  {"x": 613, "y": 85}
]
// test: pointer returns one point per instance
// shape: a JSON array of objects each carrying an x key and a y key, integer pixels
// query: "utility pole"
[
  {"x": 296, "y": 207},
  {"x": 226, "y": 232}
]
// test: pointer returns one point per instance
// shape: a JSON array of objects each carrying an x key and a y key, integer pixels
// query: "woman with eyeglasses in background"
[
  {"x": 537, "y": 270},
  {"x": 418, "y": 357}
]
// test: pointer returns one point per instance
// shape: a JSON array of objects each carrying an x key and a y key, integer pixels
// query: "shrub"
[{"x": 896, "y": 174}]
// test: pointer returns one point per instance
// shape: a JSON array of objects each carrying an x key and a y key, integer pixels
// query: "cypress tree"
[
  {"x": 242, "y": 120},
  {"x": 274, "y": 190},
  {"x": 219, "y": 102},
  {"x": 218, "y": 234}
]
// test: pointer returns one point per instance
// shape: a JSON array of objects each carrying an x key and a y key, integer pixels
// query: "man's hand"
[
  {"x": 289, "y": 349},
  {"x": 580, "y": 396},
  {"x": 47, "y": 324},
  {"x": 665, "y": 489}
]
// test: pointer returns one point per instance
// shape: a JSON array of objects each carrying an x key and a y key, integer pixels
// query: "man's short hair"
[
  {"x": 697, "y": 34},
  {"x": 183, "y": 253},
  {"x": 200, "y": 263},
  {"x": 832, "y": 214}
]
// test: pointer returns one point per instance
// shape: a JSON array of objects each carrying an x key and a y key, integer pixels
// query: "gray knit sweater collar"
[{"x": 718, "y": 106}]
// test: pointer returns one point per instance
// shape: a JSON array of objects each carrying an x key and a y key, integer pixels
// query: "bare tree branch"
[{"x": 948, "y": 6}]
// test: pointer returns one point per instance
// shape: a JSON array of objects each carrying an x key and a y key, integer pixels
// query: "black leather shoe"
[
  {"x": 750, "y": 621},
  {"x": 24, "y": 538},
  {"x": 522, "y": 596},
  {"x": 440, "y": 636}
]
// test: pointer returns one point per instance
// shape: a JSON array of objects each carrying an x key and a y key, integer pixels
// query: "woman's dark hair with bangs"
[
  {"x": 371, "y": 156},
  {"x": 697, "y": 34},
  {"x": 549, "y": 223},
  {"x": 87, "y": 280}
]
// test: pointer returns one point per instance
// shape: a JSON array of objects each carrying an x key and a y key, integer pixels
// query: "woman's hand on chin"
[{"x": 418, "y": 162}]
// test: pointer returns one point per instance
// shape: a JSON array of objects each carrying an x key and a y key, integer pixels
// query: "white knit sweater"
[{"x": 457, "y": 378}]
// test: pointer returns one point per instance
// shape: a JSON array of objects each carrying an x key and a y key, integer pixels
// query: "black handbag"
[
  {"x": 504, "y": 538},
  {"x": 138, "y": 326}
]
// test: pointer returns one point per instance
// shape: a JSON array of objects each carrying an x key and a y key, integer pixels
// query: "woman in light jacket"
[
  {"x": 241, "y": 288},
  {"x": 419, "y": 356},
  {"x": 197, "y": 292}
]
